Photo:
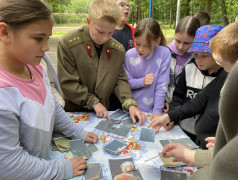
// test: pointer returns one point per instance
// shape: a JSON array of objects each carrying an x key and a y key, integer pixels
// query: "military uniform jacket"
[{"x": 85, "y": 78}]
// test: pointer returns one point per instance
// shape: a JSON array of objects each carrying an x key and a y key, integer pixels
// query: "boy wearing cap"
[
  {"x": 198, "y": 73},
  {"x": 220, "y": 162},
  {"x": 204, "y": 103},
  {"x": 90, "y": 64}
]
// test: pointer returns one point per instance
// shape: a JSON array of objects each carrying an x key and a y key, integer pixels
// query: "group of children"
[{"x": 153, "y": 78}]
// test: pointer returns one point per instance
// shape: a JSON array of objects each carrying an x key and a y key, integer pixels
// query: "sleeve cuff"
[
  {"x": 68, "y": 169},
  {"x": 127, "y": 103},
  {"x": 203, "y": 158},
  {"x": 90, "y": 102}
]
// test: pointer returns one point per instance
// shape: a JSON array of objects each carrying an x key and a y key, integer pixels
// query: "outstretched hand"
[
  {"x": 101, "y": 111},
  {"x": 134, "y": 111},
  {"x": 180, "y": 153},
  {"x": 159, "y": 122}
]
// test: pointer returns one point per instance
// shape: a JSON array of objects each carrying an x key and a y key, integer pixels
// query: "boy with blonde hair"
[{"x": 90, "y": 64}]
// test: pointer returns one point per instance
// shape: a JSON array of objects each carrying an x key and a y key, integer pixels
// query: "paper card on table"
[
  {"x": 92, "y": 148},
  {"x": 164, "y": 142},
  {"x": 79, "y": 149},
  {"x": 168, "y": 162},
  {"x": 124, "y": 169},
  {"x": 62, "y": 143},
  {"x": 121, "y": 130},
  {"x": 54, "y": 147},
  {"x": 93, "y": 171},
  {"x": 103, "y": 126},
  {"x": 115, "y": 146},
  {"x": 172, "y": 175},
  {"x": 69, "y": 155},
  {"x": 187, "y": 142},
  {"x": 76, "y": 178},
  {"x": 119, "y": 114},
  {"x": 147, "y": 134}
]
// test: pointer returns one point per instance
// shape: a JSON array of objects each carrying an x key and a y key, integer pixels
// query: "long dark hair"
[
  {"x": 17, "y": 13},
  {"x": 152, "y": 31}
]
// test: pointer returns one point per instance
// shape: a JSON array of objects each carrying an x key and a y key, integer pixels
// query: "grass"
[
  {"x": 168, "y": 33},
  {"x": 58, "y": 33}
]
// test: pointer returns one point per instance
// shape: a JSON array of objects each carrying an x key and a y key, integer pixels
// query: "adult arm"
[
  {"x": 193, "y": 106},
  {"x": 17, "y": 163}
]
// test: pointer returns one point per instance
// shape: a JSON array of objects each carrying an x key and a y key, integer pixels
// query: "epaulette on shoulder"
[
  {"x": 74, "y": 38},
  {"x": 114, "y": 44}
]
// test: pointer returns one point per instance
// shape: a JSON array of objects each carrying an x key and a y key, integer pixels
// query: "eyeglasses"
[{"x": 122, "y": 4}]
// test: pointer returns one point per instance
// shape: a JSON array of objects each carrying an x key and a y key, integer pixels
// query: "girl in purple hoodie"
[{"x": 147, "y": 67}]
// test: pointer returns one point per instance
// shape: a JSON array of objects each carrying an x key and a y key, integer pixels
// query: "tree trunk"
[
  {"x": 171, "y": 14},
  {"x": 209, "y": 6},
  {"x": 187, "y": 8},
  {"x": 224, "y": 13}
]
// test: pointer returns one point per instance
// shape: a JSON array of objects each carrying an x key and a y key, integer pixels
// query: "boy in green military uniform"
[{"x": 90, "y": 64}]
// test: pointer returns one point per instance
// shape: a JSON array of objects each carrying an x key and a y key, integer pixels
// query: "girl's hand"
[
  {"x": 168, "y": 126},
  {"x": 159, "y": 122},
  {"x": 134, "y": 111},
  {"x": 101, "y": 111},
  {"x": 79, "y": 166},
  {"x": 91, "y": 137},
  {"x": 165, "y": 108},
  {"x": 180, "y": 153},
  {"x": 211, "y": 142},
  {"x": 148, "y": 79},
  {"x": 154, "y": 116}
]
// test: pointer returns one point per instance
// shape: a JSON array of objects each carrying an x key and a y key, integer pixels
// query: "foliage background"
[{"x": 162, "y": 10}]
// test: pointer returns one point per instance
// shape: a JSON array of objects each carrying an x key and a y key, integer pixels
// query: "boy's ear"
[
  {"x": 88, "y": 22},
  {"x": 4, "y": 32}
]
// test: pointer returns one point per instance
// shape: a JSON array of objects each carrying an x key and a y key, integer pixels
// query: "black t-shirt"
[{"x": 124, "y": 36}]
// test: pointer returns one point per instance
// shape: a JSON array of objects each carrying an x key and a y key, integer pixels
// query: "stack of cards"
[
  {"x": 168, "y": 162},
  {"x": 187, "y": 142},
  {"x": 115, "y": 146},
  {"x": 61, "y": 143},
  {"x": 124, "y": 169},
  {"x": 147, "y": 134},
  {"x": 93, "y": 172}
]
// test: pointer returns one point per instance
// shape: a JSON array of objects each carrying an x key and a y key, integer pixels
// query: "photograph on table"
[
  {"x": 187, "y": 142},
  {"x": 79, "y": 149},
  {"x": 124, "y": 169},
  {"x": 93, "y": 171},
  {"x": 147, "y": 134},
  {"x": 119, "y": 114},
  {"x": 121, "y": 128},
  {"x": 116, "y": 146},
  {"x": 172, "y": 175}
]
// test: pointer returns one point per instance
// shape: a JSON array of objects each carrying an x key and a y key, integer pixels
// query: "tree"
[{"x": 224, "y": 13}]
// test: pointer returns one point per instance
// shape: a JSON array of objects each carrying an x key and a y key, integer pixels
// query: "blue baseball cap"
[{"x": 203, "y": 37}]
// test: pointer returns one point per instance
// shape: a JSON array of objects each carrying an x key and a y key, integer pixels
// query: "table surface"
[{"x": 138, "y": 150}]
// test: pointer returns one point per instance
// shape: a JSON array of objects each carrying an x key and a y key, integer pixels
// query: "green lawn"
[{"x": 168, "y": 33}]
